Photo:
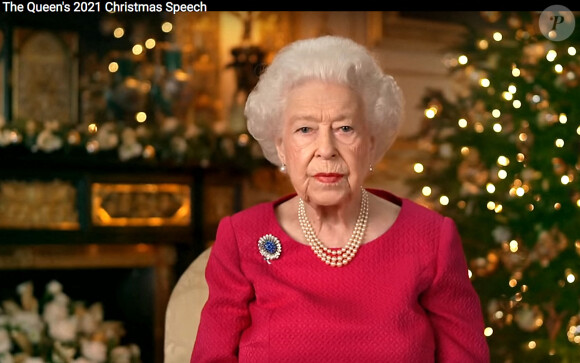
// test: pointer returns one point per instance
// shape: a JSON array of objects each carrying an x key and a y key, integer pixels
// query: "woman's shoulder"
[
  {"x": 411, "y": 211},
  {"x": 259, "y": 212}
]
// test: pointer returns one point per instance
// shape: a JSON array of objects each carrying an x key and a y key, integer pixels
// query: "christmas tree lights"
[{"x": 503, "y": 160}]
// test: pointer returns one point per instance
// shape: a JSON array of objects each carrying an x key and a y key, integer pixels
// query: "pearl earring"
[
  {"x": 371, "y": 168},
  {"x": 283, "y": 168}
]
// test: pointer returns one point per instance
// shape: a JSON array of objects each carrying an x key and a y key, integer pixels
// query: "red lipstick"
[{"x": 328, "y": 178}]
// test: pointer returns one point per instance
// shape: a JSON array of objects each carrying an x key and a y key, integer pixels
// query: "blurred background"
[{"x": 123, "y": 142}]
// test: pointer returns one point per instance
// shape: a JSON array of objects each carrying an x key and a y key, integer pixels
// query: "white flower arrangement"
[
  {"x": 166, "y": 141},
  {"x": 60, "y": 331}
]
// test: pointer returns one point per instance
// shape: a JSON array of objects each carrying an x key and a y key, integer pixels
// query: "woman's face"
[{"x": 325, "y": 142}]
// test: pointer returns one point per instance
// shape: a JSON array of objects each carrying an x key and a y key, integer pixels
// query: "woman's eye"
[{"x": 304, "y": 129}]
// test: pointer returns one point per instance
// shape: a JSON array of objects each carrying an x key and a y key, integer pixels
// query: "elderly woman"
[{"x": 335, "y": 272}]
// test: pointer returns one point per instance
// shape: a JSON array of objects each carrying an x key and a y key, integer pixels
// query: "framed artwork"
[
  {"x": 38, "y": 205},
  {"x": 45, "y": 76},
  {"x": 153, "y": 205}
]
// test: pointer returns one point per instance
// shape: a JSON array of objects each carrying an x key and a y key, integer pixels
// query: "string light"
[
  {"x": 565, "y": 179},
  {"x": 93, "y": 128},
  {"x": 502, "y": 174},
  {"x": 426, "y": 191},
  {"x": 141, "y": 117},
  {"x": 431, "y": 112},
  {"x": 137, "y": 49},
  {"x": 571, "y": 51},
  {"x": 166, "y": 27},
  {"x": 150, "y": 43},
  {"x": 563, "y": 118},
  {"x": 508, "y": 96},
  {"x": 516, "y": 72},
  {"x": 418, "y": 168},
  {"x": 484, "y": 82},
  {"x": 514, "y": 246},
  {"x": 517, "y": 104},
  {"x": 462, "y": 123},
  {"x": 462, "y": 59},
  {"x": 113, "y": 67},
  {"x": 512, "y": 89},
  {"x": 444, "y": 200},
  {"x": 497, "y": 128},
  {"x": 532, "y": 344},
  {"x": 490, "y": 188},
  {"x": 118, "y": 32},
  {"x": 497, "y": 36},
  {"x": 496, "y": 113},
  {"x": 558, "y": 68},
  {"x": 551, "y": 55},
  {"x": 488, "y": 331},
  {"x": 503, "y": 161},
  {"x": 559, "y": 143}
]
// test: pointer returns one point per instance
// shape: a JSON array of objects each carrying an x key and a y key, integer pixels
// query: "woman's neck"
[{"x": 334, "y": 224}]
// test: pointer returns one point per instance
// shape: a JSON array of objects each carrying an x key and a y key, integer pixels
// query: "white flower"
[
  {"x": 5, "y": 342},
  {"x": 5, "y": 137},
  {"x": 30, "y": 323},
  {"x": 94, "y": 351},
  {"x": 130, "y": 151},
  {"x": 63, "y": 330},
  {"x": 33, "y": 360},
  {"x": 121, "y": 354},
  {"x": 107, "y": 137},
  {"x": 55, "y": 311},
  {"x": 48, "y": 142},
  {"x": 6, "y": 358},
  {"x": 54, "y": 287},
  {"x": 130, "y": 148}
]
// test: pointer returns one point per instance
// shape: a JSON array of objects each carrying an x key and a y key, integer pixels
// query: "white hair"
[{"x": 332, "y": 59}]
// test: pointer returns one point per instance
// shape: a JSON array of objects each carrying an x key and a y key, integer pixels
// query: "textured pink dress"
[{"x": 405, "y": 297}]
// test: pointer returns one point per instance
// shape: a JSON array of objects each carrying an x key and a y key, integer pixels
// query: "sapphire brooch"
[{"x": 270, "y": 247}]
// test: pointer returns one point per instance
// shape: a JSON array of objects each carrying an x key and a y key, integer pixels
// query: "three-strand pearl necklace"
[{"x": 336, "y": 257}]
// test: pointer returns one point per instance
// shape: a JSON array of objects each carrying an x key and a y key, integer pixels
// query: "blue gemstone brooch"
[{"x": 270, "y": 247}]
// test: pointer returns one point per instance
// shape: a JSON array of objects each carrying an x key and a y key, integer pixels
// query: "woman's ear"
[
  {"x": 280, "y": 150},
  {"x": 372, "y": 146}
]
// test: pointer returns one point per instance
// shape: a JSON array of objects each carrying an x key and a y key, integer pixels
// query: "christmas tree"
[{"x": 502, "y": 160}]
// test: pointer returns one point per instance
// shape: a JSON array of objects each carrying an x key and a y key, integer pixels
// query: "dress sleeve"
[
  {"x": 453, "y": 305},
  {"x": 226, "y": 313}
]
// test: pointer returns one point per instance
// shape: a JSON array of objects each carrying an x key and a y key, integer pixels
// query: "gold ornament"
[
  {"x": 529, "y": 318},
  {"x": 573, "y": 331}
]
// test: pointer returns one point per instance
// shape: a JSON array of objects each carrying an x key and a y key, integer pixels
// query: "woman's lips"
[{"x": 328, "y": 178}]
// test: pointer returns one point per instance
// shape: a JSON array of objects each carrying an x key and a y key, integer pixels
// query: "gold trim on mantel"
[
  {"x": 152, "y": 205},
  {"x": 15, "y": 257}
]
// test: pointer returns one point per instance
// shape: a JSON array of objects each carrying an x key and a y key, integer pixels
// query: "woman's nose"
[{"x": 326, "y": 147}]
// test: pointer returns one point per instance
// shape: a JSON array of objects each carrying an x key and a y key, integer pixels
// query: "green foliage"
[{"x": 511, "y": 172}]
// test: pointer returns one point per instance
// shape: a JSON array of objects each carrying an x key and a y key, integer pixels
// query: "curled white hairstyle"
[{"x": 332, "y": 59}]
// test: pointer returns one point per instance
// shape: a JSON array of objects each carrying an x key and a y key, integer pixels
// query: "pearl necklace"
[{"x": 336, "y": 257}]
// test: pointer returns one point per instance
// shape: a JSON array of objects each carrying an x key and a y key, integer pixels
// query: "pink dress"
[{"x": 405, "y": 297}]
